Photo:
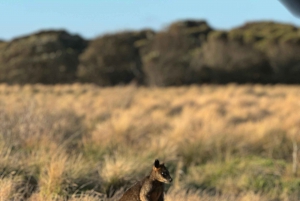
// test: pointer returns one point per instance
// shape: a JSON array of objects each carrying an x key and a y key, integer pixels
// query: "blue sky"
[{"x": 91, "y": 18}]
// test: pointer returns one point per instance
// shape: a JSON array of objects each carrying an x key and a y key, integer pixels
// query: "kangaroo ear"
[{"x": 156, "y": 163}]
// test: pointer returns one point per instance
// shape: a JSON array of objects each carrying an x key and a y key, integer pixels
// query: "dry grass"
[{"x": 82, "y": 142}]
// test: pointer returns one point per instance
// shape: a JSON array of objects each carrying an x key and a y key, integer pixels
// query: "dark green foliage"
[
  {"x": 46, "y": 57},
  {"x": 187, "y": 52},
  {"x": 264, "y": 52},
  {"x": 280, "y": 43},
  {"x": 114, "y": 58},
  {"x": 255, "y": 32},
  {"x": 230, "y": 61},
  {"x": 285, "y": 61},
  {"x": 167, "y": 59}
]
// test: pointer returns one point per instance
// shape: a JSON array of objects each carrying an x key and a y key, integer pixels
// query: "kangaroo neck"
[{"x": 152, "y": 177}]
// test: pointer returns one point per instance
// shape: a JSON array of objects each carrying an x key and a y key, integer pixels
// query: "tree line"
[{"x": 186, "y": 52}]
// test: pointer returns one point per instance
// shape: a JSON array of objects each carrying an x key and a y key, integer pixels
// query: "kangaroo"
[{"x": 151, "y": 188}]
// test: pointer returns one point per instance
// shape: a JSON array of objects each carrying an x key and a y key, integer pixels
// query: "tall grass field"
[{"x": 83, "y": 142}]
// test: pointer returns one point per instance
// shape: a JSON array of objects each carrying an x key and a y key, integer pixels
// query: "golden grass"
[
  {"x": 83, "y": 142},
  {"x": 6, "y": 188}
]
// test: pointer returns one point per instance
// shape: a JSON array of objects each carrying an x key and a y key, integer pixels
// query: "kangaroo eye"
[{"x": 163, "y": 174}]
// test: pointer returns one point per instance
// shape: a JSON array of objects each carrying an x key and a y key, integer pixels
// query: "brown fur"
[{"x": 151, "y": 188}]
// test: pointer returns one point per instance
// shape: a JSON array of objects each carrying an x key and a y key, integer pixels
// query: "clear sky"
[{"x": 91, "y": 18}]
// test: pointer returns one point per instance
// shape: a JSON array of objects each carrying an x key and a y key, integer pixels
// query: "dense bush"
[
  {"x": 264, "y": 52},
  {"x": 166, "y": 61},
  {"x": 186, "y": 52},
  {"x": 280, "y": 43},
  {"x": 222, "y": 61},
  {"x": 45, "y": 57},
  {"x": 114, "y": 58},
  {"x": 285, "y": 61}
]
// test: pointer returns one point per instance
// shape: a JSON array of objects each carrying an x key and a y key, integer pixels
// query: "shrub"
[
  {"x": 114, "y": 58},
  {"x": 45, "y": 57},
  {"x": 166, "y": 61},
  {"x": 285, "y": 61},
  {"x": 232, "y": 61}
]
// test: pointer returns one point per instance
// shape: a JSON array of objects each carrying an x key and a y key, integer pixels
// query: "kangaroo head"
[{"x": 160, "y": 172}]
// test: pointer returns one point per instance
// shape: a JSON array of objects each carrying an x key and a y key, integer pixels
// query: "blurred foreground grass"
[{"x": 82, "y": 142}]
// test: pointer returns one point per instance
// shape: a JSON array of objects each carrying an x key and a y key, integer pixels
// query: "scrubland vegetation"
[
  {"x": 185, "y": 52},
  {"x": 83, "y": 142}
]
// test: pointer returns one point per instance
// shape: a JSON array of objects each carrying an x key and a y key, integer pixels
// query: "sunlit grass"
[{"x": 83, "y": 142}]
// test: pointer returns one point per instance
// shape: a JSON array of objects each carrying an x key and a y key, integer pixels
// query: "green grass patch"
[{"x": 239, "y": 175}]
